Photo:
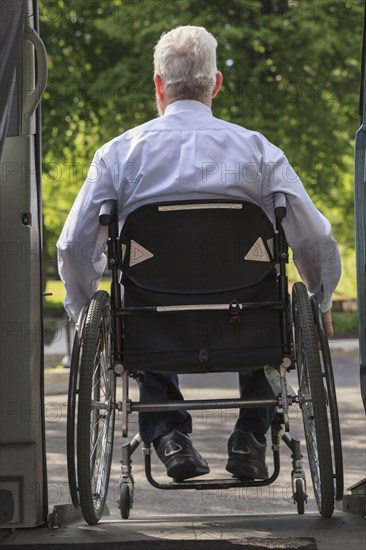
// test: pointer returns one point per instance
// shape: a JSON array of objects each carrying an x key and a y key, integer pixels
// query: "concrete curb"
[
  {"x": 347, "y": 345},
  {"x": 57, "y": 380}
]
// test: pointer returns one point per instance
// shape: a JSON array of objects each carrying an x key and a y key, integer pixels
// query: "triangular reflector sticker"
[
  {"x": 138, "y": 254},
  {"x": 258, "y": 252}
]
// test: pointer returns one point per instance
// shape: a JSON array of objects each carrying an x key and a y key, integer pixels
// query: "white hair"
[{"x": 185, "y": 59}]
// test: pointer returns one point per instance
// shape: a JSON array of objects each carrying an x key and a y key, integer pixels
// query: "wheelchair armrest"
[{"x": 107, "y": 211}]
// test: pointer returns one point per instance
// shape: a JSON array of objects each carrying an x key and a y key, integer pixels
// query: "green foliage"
[
  {"x": 345, "y": 324},
  {"x": 291, "y": 71}
]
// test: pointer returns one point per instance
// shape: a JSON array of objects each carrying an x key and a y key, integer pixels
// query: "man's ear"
[
  {"x": 218, "y": 83},
  {"x": 159, "y": 86}
]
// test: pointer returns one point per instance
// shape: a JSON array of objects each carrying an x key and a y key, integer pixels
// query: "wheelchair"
[{"x": 205, "y": 290}]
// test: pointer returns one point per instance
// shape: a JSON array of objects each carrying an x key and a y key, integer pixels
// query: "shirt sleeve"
[
  {"x": 82, "y": 243},
  {"x": 308, "y": 232}
]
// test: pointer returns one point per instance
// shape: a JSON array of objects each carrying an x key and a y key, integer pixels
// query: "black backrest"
[
  {"x": 197, "y": 247},
  {"x": 199, "y": 252}
]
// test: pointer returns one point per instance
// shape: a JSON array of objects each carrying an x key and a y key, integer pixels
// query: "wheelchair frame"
[{"x": 85, "y": 497}]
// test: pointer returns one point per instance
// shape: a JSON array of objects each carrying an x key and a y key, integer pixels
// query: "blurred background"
[{"x": 291, "y": 71}]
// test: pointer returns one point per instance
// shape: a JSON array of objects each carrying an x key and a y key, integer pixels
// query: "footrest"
[{"x": 221, "y": 483}]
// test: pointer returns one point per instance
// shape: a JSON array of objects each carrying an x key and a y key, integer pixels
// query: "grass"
[
  {"x": 345, "y": 324},
  {"x": 58, "y": 293}
]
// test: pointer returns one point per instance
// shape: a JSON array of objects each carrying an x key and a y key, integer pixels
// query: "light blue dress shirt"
[{"x": 189, "y": 154}]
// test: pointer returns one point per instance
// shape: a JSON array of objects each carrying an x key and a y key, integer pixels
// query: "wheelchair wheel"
[
  {"x": 300, "y": 496},
  {"x": 72, "y": 408},
  {"x": 312, "y": 400},
  {"x": 125, "y": 501},
  {"x": 331, "y": 397},
  {"x": 96, "y": 411}
]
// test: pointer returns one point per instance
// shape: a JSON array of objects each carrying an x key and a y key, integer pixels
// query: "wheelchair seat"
[{"x": 201, "y": 289}]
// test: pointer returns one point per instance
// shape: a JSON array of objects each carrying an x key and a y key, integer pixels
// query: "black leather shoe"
[
  {"x": 246, "y": 456},
  {"x": 180, "y": 458}
]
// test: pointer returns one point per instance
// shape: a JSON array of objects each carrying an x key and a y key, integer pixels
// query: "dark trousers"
[{"x": 165, "y": 386}]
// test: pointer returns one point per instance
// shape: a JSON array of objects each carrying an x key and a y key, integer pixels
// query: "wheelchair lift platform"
[{"x": 186, "y": 531}]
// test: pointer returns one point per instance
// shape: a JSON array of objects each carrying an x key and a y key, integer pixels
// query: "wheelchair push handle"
[
  {"x": 107, "y": 211},
  {"x": 108, "y": 216},
  {"x": 279, "y": 206}
]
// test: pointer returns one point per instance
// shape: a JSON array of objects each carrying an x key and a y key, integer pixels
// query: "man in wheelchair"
[{"x": 186, "y": 154}]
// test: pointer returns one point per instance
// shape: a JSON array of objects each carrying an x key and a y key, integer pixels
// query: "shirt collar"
[{"x": 187, "y": 105}]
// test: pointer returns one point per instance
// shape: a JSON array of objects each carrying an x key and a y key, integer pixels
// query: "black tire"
[
  {"x": 95, "y": 427},
  {"x": 72, "y": 408},
  {"x": 312, "y": 400},
  {"x": 331, "y": 398},
  {"x": 125, "y": 501},
  {"x": 70, "y": 426},
  {"x": 300, "y": 496}
]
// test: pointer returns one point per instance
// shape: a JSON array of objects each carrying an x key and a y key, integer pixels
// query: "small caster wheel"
[
  {"x": 125, "y": 501},
  {"x": 300, "y": 496}
]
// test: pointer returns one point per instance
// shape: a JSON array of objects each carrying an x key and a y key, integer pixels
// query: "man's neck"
[{"x": 208, "y": 103}]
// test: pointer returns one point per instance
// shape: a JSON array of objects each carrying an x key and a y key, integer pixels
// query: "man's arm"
[
  {"x": 81, "y": 245},
  {"x": 307, "y": 231}
]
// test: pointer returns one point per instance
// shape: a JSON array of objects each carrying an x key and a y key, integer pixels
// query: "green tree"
[{"x": 291, "y": 71}]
